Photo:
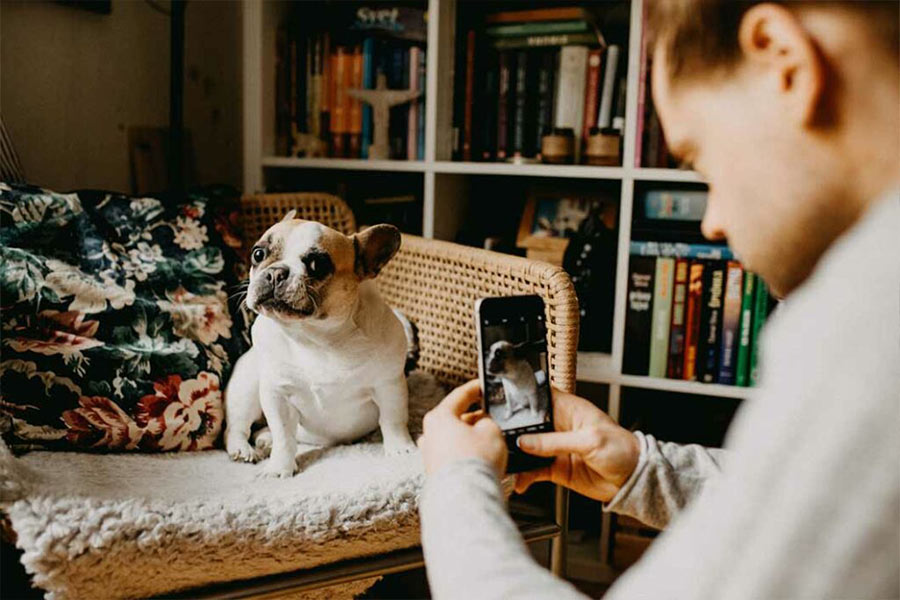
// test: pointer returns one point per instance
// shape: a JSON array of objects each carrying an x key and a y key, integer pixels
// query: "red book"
[
  {"x": 470, "y": 92},
  {"x": 692, "y": 320},
  {"x": 592, "y": 91},
  {"x": 675, "y": 366},
  {"x": 354, "y": 106},
  {"x": 563, "y": 13}
]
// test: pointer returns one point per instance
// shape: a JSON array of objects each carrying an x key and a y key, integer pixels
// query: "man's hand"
[
  {"x": 450, "y": 434},
  {"x": 594, "y": 455}
]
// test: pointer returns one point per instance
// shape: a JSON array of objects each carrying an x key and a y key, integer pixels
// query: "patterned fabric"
[{"x": 117, "y": 332}]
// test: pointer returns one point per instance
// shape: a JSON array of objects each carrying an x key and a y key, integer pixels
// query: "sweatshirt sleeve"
[
  {"x": 666, "y": 478},
  {"x": 472, "y": 547}
]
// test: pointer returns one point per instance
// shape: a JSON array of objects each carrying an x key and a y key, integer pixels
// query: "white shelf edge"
[
  {"x": 684, "y": 387},
  {"x": 666, "y": 175},
  {"x": 346, "y": 164},
  {"x": 595, "y": 367},
  {"x": 528, "y": 170}
]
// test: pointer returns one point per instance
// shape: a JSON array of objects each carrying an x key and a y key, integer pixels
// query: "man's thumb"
[{"x": 556, "y": 443}]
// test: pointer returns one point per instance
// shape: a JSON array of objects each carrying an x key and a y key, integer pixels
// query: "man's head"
[{"x": 789, "y": 111}]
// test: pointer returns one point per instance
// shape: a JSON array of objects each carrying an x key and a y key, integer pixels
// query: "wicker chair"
[{"x": 436, "y": 284}]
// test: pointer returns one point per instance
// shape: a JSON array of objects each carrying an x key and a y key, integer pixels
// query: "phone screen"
[{"x": 513, "y": 338}]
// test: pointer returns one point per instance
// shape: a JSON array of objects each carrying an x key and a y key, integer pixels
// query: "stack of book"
[
  {"x": 693, "y": 312},
  {"x": 523, "y": 74},
  {"x": 314, "y": 69}
]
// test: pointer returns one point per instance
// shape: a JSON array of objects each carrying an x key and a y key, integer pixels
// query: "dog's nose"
[{"x": 276, "y": 275}]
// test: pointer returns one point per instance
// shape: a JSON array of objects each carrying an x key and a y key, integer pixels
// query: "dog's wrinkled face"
[
  {"x": 500, "y": 355},
  {"x": 303, "y": 269}
]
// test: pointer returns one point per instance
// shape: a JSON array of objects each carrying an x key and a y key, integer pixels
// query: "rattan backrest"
[
  {"x": 259, "y": 212},
  {"x": 436, "y": 285}
]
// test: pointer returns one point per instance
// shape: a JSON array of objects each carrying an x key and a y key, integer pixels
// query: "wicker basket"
[{"x": 436, "y": 284}]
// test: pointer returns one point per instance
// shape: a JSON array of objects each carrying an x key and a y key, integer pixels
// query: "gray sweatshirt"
[{"x": 807, "y": 502}]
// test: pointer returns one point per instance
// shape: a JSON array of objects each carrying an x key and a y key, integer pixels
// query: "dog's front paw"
[
  {"x": 398, "y": 446},
  {"x": 241, "y": 452},
  {"x": 278, "y": 469}
]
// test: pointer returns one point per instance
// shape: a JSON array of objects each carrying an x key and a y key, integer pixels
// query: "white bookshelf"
[{"x": 444, "y": 182}]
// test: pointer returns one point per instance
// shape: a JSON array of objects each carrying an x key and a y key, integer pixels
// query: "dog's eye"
[
  {"x": 318, "y": 265},
  {"x": 258, "y": 255}
]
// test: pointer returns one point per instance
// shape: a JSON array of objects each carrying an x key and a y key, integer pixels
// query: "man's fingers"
[
  {"x": 487, "y": 425},
  {"x": 473, "y": 417},
  {"x": 525, "y": 479},
  {"x": 459, "y": 400},
  {"x": 558, "y": 442}
]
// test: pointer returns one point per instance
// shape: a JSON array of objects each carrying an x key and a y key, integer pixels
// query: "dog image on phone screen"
[
  {"x": 328, "y": 356},
  {"x": 509, "y": 363}
]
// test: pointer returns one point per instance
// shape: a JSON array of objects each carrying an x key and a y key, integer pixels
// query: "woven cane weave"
[{"x": 436, "y": 285}]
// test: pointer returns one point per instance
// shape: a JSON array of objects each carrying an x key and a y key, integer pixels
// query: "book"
[
  {"x": 341, "y": 72},
  {"x": 354, "y": 106},
  {"x": 504, "y": 69},
  {"x": 487, "y": 142},
  {"x": 540, "y": 41},
  {"x": 400, "y": 22},
  {"x": 368, "y": 82},
  {"x": 661, "y": 320},
  {"x": 282, "y": 107},
  {"x": 538, "y": 28},
  {"x": 642, "y": 90},
  {"x": 326, "y": 90},
  {"x": 544, "y": 112},
  {"x": 412, "y": 130},
  {"x": 731, "y": 318},
  {"x": 420, "y": 124},
  {"x": 569, "y": 98},
  {"x": 742, "y": 370},
  {"x": 611, "y": 65},
  {"x": 681, "y": 250},
  {"x": 470, "y": 96},
  {"x": 675, "y": 205},
  {"x": 591, "y": 91},
  {"x": 619, "y": 105},
  {"x": 675, "y": 366},
  {"x": 636, "y": 358},
  {"x": 709, "y": 341},
  {"x": 562, "y": 13},
  {"x": 518, "y": 147},
  {"x": 692, "y": 312},
  {"x": 760, "y": 309}
]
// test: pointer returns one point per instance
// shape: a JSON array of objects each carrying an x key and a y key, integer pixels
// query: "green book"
[
  {"x": 743, "y": 357},
  {"x": 541, "y": 28},
  {"x": 761, "y": 302},
  {"x": 662, "y": 313},
  {"x": 547, "y": 40}
]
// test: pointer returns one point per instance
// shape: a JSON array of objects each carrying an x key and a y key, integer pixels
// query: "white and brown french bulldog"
[{"x": 328, "y": 354}]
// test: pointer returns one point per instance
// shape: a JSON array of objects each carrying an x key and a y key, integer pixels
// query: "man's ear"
[
  {"x": 374, "y": 247},
  {"x": 774, "y": 38},
  {"x": 290, "y": 216}
]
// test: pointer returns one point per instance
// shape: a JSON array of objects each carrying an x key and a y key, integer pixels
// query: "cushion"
[
  {"x": 135, "y": 525},
  {"x": 117, "y": 333}
]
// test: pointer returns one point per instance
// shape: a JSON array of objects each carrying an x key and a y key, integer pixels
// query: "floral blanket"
[{"x": 117, "y": 333}]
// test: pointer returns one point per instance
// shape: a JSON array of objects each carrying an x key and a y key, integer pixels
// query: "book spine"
[
  {"x": 592, "y": 91},
  {"x": 675, "y": 367},
  {"x": 541, "y": 41},
  {"x": 470, "y": 96},
  {"x": 520, "y": 93},
  {"x": 731, "y": 318},
  {"x": 709, "y": 345},
  {"x": 505, "y": 68},
  {"x": 315, "y": 107},
  {"x": 642, "y": 90},
  {"x": 743, "y": 354},
  {"x": 538, "y": 28},
  {"x": 604, "y": 115},
  {"x": 544, "y": 114},
  {"x": 341, "y": 67},
  {"x": 569, "y": 99},
  {"x": 420, "y": 124},
  {"x": 636, "y": 358},
  {"x": 293, "y": 91},
  {"x": 327, "y": 89},
  {"x": 662, "y": 313},
  {"x": 412, "y": 130},
  {"x": 619, "y": 106},
  {"x": 368, "y": 82},
  {"x": 681, "y": 250},
  {"x": 692, "y": 320},
  {"x": 488, "y": 128},
  {"x": 281, "y": 91},
  {"x": 538, "y": 14},
  {"x": 354, "y": 106},
  {"x": 760, "y": 310}
]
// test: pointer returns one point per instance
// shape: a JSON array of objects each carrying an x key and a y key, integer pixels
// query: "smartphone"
[{"x": 512, "y": 364}]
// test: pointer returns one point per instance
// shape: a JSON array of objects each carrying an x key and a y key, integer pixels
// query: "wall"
[{"x": 73, "y": 82}]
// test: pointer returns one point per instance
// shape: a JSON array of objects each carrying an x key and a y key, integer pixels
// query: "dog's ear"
[
  {"x": 290, "y": 216},
  {"x": 520, "y": 350},
  {"x": 374, "y": 247}
]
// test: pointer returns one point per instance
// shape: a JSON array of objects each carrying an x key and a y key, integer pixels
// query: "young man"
[{"x": 791, "y": 112}]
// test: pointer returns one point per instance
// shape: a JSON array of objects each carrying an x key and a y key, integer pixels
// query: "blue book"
[
  {"x": 420, "y": 140},
  {"x": 679, "y": 250},
  {"x": 368, "y": 48}
]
